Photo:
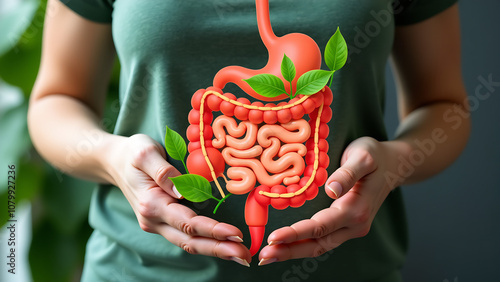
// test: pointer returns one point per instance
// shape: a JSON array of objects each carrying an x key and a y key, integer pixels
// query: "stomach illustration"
[{"x": 275, "y": 151}]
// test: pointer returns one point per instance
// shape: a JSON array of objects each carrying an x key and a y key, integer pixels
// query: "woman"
[{"x": 168, "y": 50}]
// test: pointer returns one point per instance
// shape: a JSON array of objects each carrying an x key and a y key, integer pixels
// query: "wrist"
[
  {"x": 109, "y": 153},
  {"x": 399, "y": 169}
]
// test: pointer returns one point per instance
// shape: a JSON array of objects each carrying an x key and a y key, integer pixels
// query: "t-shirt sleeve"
[
  {"x": 412, "y": 11},
  {"x": 94, "y": 10}
]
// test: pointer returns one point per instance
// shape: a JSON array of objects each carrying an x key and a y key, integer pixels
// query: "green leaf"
[
  {"x": 287, "y": 68},
  {"x": 19, "y": 65},
  {"x": 193, "y": 187},
  {"x": 336, "y": 51},
  {"x": 14, "y": 21},
  {"x": 175, "y": 145},
  {"x": 312, "y": 81},
  {"x": 267, "y": 85}
]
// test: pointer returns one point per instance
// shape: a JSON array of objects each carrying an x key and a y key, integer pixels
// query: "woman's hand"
[
  {"x": 139, "y": 168},
  {"x": 360, "y": 188}
]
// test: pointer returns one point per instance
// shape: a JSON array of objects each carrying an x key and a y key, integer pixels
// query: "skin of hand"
[
  {"x": 426, "y": 57},
  {"x": 65, "y": 108},
  {"x": 361, "y": 175},
  {"x": 143, "y": 178}
]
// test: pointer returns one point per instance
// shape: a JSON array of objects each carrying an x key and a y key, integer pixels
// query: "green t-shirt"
[{"x": 168, "y": 50}]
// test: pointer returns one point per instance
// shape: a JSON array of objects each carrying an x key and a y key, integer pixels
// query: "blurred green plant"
[{"x": 59, "y": 202}]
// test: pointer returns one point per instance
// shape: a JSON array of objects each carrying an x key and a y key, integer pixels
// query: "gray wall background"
[{"x": 454, "y": 217}]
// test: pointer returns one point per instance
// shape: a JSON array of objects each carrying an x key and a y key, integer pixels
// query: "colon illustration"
[{"x": 275, "y": 148}]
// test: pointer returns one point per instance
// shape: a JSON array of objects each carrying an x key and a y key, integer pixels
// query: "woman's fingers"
[
  {"x": 195, "y": 234},
  {"x": 325, "y": 231},
  {"x": 348, "y": 217},
  {"x": 158, "y": 208},
  {"x": 227, "y": 250},
  {"x": 186, "y": 220},
  {"x": 322, "y": 223},
  {"x": 304, "y": 248}
]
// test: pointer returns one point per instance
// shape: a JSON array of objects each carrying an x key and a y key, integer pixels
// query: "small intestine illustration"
[{"x": 275, "y": 151}]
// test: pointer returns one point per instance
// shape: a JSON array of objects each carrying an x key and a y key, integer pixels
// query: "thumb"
[
  {"x": 160, "y": 171},
  {"x": 150, "y": 158},
  {"x": 357, "y": 164}
]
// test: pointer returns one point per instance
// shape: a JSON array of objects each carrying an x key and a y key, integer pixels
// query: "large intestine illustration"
[
  {"x": 275, "y": 151},
  {"x": 272, "y": 145}
]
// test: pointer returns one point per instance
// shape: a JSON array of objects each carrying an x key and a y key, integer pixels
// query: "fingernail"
[
  {"x": 240, "y": 261},
  {"x": 236, "y": 239},
  {"x": 179, "y": 196},
  {"x": 265, "y": 261},
  {"x": 272, "y": 243},
  {"x": 335, "y": 188}
]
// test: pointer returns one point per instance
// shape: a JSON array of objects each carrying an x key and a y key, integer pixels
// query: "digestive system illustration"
[{"x": 275, "y": 152}]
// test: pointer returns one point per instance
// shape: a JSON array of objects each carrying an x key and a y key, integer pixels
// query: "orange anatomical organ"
[
  {"x": 287, "y": 159},
  {"x": 276, "y": 152}
]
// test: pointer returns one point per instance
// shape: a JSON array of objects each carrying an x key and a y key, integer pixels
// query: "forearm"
[
  {"x": 67, "y": 134},
  {"x": 432, "y": 99},
  {"x": 427, "y": 141}
]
